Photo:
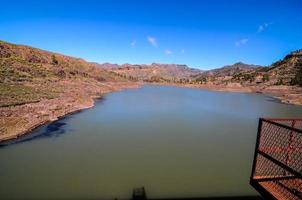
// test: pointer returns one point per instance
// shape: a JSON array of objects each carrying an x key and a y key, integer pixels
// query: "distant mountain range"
[
  {"x": 22, "y": 63},
  {"x": 284, "y": 72},
  {"x": 155, "y": 72}
]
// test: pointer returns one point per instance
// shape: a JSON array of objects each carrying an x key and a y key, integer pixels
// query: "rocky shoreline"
[{"x": 19, "y": 120}]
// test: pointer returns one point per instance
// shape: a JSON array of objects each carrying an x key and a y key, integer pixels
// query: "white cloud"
[
  {"x": 262, "y": 27},
  {"x": 182, "y": 51},
  {"x": 152, "y": 41},
  {"x": 241, "y": 42},
  {"x": 133, "y": 43},
  {"x": 168, "y": 52}
]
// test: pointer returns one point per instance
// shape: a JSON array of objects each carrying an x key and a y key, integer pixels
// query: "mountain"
[
  {"x": 21, "y": 64},
  {"x": 225, "y": 73},
  {"x": 155, "y": 72},
  {"x": 287, "y": 71},
  {"x": 284, "y": 72},
  {"x": 25, "y": 68},
  {"x": 230, "y": 70},
  {"x": 108, "y": 66}
]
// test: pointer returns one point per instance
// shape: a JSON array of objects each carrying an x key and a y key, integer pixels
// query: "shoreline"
[
  {"x": 90, "y": 101},
  {"x": 37, "y": 126},
  {"x": 290, "y": 95}
]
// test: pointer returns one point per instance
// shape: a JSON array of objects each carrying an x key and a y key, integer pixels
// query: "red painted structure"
[{"x": 277, "y": 166}]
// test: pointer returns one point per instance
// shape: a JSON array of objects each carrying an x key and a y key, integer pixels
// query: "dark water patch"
[
  {"x": 53, "y": 129},
  {"x": 274, "y": 100}
]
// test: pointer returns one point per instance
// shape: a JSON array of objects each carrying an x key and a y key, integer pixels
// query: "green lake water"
[{"x": 176, "y": 142}]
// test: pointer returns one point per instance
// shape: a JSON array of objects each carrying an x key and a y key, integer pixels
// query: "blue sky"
[{"x": 204, "y": 34}]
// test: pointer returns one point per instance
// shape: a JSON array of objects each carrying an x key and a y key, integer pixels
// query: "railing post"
[{"x": 256, "y": 148}]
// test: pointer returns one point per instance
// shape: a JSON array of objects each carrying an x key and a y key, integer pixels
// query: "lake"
[{"x": 176, "y": 142}]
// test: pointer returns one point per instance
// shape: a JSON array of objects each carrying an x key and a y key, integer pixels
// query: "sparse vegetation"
[
  {"x": 265, "y": 78},
  {"x": 244, "y": 77},
  {"x": 54, "y": 60},
  {"x": 297, "y": 80},
  {"x": 14, "y": 94},
  {"x": 279, "y": 81}
]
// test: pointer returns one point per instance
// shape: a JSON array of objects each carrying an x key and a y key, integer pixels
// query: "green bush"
[{"x": 265, "y": 78}]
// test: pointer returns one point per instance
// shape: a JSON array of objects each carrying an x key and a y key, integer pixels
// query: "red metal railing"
[{"x": 277, "y": 166}]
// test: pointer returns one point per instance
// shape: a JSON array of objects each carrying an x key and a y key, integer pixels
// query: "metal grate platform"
[{"x": 277, "y": 166}]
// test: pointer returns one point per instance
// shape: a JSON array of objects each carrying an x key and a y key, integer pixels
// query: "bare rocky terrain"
[{"x": 38, "y": 86}]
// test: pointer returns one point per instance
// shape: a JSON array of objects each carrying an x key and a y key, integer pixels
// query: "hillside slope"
[
  {"x": 230, "y": 70},
  {"x": 224, "y": 74},
  {"x": 37, "y": 86}
]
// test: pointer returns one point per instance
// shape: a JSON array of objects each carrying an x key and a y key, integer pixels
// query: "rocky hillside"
[
  {"x": 225, "y": 74},
  {"x": 37, "y": 86},
  {"x": 25, "y": 69},
  {"x": 287, "y": 71},
  {"x": 284, "y": 72},
  {"x": 230, "y": 70},
  {"x": 22, "y": 63},
  {"x": 155, "y": 72}
]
